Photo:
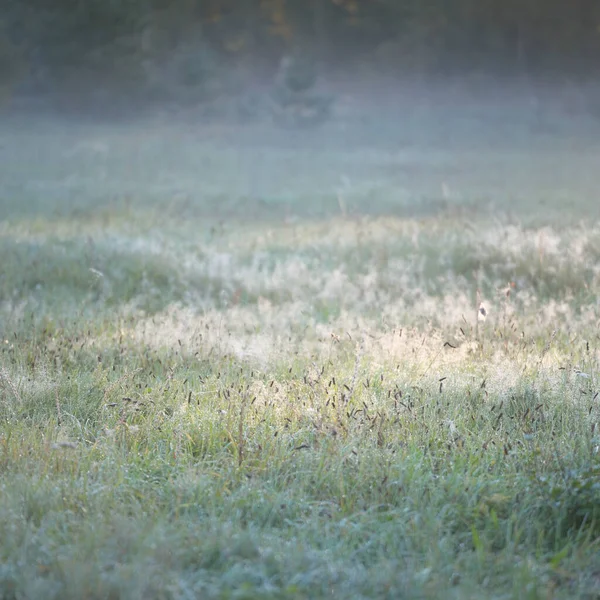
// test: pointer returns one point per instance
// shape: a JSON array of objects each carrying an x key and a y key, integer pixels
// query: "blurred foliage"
[
  {"x": 295, "y": 103},
  {"x": 11, "y": 66},
  {"x": 151, "y": 44}
]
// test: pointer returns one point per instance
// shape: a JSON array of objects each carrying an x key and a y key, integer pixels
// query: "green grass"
[{"x": 208, "y": 391}]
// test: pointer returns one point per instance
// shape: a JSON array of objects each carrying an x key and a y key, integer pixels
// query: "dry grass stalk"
[
  {"x": 58, "y": 410},
  {"x": 240, "y": 443}
]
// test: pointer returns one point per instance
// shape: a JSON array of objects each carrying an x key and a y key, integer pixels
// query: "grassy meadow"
[{"x": 241, "y": 364}]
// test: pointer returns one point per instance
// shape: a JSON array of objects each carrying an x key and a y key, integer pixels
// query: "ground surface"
[{"x": 246, "y": 363}]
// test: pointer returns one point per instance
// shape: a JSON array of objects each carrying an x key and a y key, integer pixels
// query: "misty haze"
[{"x": 299, "y": 299}]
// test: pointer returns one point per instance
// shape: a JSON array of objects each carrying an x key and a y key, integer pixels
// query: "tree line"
[{"x": 119, "y": 37}]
